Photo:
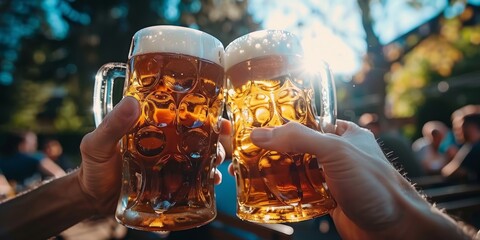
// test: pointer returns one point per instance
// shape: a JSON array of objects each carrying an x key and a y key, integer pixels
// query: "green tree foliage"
[
  {"x": 29, "y": 99},
  {"x": 67, "y": 41},
  {"x": 430, "y": 68}
]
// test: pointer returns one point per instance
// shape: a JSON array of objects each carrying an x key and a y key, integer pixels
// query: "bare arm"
[
  {"x": 58, "y": 204},
  {"x": 93, "y": 189},
  {"x": 50, "y": 168},
  {"x": 5, "y": 188}
]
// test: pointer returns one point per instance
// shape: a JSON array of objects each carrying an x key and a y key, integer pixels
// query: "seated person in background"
[
  {"x": 54, "y": 150},
  {"x": 22, "y": 164},
  {"x": 463, "y": 147},
  {"x": 427, "y": 148},
  {"x": 466, "y": 163},
  {"x": 395, "y": 146},
  {"x": 457, "y": 120}
]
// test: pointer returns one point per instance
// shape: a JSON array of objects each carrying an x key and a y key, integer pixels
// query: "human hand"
[
  {"x": 100, "y": 172},
  {"x": 374, "y": 200}
]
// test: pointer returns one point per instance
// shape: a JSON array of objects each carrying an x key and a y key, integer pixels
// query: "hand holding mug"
[
  {"x": 176, "y": 74},
  {"x": 374, "y": 201}
]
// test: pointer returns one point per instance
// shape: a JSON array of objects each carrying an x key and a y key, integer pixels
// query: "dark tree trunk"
[{"x": 378, "y": 66}]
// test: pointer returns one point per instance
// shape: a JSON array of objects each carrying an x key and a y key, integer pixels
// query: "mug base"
[
  {"x": 284, "y": 214},
  {"x": 172, "y": 221}
]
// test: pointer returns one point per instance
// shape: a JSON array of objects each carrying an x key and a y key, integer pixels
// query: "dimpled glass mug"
[
  {"x": 269, "y": 83},
  {"x": 177, "y": 75}
]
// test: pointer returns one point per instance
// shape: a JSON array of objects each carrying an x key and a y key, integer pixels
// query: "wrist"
[{"x": 78, "y": 194}]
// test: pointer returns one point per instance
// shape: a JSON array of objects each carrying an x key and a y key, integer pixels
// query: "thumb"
[{"x": 104, "y": 139}]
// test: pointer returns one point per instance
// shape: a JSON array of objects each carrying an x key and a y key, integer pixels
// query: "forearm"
[{"x": 45, "y": 211}]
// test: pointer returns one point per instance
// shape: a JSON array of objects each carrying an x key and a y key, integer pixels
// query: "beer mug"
[
  {"x": 269, "y": 83},
  {"x": 177, "y": 75}
]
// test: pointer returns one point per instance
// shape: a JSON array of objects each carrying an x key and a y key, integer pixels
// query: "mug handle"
[
  {"x": 326, "y": 100},
  {"x": 103, "y": 89}
]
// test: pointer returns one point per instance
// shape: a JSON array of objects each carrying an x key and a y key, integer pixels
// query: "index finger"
[{"x": 293, "y": 137}]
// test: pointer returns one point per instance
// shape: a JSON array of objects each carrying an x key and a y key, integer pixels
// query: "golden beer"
[
  {"x": 169, "y": 155},
  {"x": 268, "y": 87}
]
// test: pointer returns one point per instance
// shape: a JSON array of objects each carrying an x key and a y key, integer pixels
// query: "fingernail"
[{"x": 261, "y": 134}]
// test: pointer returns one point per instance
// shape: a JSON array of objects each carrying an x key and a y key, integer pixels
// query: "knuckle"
[
  {"x": 292, "y": 129},
  {"x": 85, "y": 143}
]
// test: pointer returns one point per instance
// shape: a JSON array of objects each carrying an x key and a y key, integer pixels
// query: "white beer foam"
[
  {"x": 176, "y": 39},
  {"x": 262, "y": 43}
]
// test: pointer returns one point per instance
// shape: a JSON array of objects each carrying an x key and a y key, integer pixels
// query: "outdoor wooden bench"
[
  {"x": 453, "y": 192},
  {"x": 467, "y": 205},
  {"x": 425, "y": 182}
]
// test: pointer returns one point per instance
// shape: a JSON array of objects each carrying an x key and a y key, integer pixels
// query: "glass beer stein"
[
  {"x": 177, "y": 76},
  {"x": 269, "y": 83}
]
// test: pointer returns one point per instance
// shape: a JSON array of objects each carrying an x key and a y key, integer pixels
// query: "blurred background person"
[
  {"x": 458, "y": 118},
  {"x": 53, "y": 149},
  {"x": 22, "y": 164},
  {"x": 427, "y": 148},
  {"x": 465, "y": 165},
  {"x": 394, "y": 145},
  {"x": 452, "y": 170}
]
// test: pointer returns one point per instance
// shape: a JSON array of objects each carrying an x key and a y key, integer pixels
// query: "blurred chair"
[{"x": 459, "y": 200}]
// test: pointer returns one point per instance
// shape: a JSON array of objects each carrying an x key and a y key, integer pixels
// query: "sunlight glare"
[
  {"x": 325, "y": 46},
  {"x": 319, "y": 42}
]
